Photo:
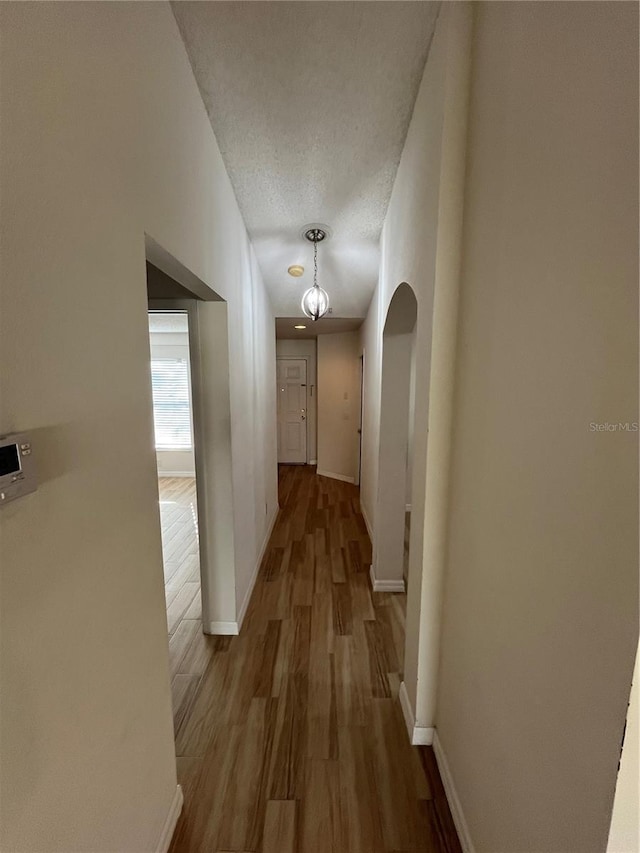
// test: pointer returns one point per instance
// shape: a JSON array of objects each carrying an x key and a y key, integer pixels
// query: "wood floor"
[
  {"x": 179, "y": 521},
  {"x": 290, "y": 736}
]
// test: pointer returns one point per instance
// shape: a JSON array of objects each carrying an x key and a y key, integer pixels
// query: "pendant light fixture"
[{"x": 315, "y": 302}]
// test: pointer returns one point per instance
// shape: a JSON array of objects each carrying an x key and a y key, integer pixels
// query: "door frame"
[
  {"x": 361, "y": 418},
  {"x": 304, "y": 358},
  {"x": 211, "y": 380}
]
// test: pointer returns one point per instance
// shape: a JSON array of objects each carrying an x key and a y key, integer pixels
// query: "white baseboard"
[
  {"x": 233, "y": 628},
  {"x": 335, "y": 476},
  {"x": 170, "y": 823},
  {"x": 367, "y": 523},
  {"x": 407, "y": 507},
  {"x": 385, "y": 585},
  {"x": 313, "y": 462},
  {"x": 427, "y": 736},
  {"x": 254, "y": 577},
  {"x": 418, "y": 735},
  {"x": 222, "y": 628},
  {"x": 407, "y": 713},
  {"x": 165, "y": 474},
  {"x": 452, "y": 797}
]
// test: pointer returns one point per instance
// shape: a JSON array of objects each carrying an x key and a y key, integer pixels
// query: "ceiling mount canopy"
[
  {"x": 315, "y": 235},
  {"x": 315, "y": 302}
]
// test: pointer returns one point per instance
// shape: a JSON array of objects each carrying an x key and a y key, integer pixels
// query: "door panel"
[
  {"x": 293, "y": 372},
  {"x": 292, "y": 412},
  {"x": 293, "y": 396},
  {"x": 294, "y": 437}
]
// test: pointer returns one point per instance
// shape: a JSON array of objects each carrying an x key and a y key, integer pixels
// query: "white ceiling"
[
  {"x": 325, "y": 326},
  {"x": 310, "y": 103}
]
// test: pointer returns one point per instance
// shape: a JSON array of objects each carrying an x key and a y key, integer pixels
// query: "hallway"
[{"x": 290, "y": 737}]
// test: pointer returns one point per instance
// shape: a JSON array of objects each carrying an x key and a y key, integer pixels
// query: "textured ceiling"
[
  {"x": 310, "y": 103},
  {"x": 326, "y": 326}
]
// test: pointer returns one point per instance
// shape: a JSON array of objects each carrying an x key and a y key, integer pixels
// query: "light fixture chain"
[
  {"x": 315, "y": 302},
  {"x": 315, "y": 262}
]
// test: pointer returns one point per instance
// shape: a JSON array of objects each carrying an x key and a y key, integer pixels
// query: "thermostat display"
[
  {"x": 9, "y": 459},
  {"x": 17, "y": 471}
]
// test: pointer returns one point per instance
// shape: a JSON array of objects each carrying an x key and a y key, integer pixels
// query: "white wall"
[
  {"x": 407, "y": 255},
  {"x": 175, "y": 463},
  {"x": 420, "y": 246},
  {"x": 105, "y": 138},
  {"x": 305, "y": 349},
  {"x": 172, "y": 463},
  {"x": 388, "y": 551},
  {"x": 541, "y": 602},
  {"x": 213, "y": 450},
  {"x": 339, "y": 405},
  {"x": 412, "y": 417}
]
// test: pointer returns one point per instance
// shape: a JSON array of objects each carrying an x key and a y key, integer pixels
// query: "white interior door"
[{"x": 292, "y": 410}]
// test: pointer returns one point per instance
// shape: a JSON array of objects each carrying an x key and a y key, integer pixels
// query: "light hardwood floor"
[
  {"x": 290, "y": 736},
  {"x": 179, "y": 520}
]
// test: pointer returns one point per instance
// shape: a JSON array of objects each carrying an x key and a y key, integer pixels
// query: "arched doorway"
[{"x": 395, "y": 448}]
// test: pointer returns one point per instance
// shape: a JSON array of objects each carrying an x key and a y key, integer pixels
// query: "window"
[{"x": 171, "y": 411}]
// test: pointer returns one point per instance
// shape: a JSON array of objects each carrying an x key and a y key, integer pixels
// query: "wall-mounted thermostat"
[{"x": 17, "y": 469}]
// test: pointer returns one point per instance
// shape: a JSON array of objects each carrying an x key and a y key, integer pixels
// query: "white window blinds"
[{"x": 171, "y": 413}]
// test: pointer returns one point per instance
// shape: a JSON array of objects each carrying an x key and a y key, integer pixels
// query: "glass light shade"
[{"x": 315, "y": 303}]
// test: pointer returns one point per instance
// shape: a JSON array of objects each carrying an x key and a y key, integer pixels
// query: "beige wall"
[
  {"x": 339, "y": 404},
  {"x": 105, "y": 138},
  {"x": 420, "y": 246},
  {"x": 541, "y": 601},
  {"x": 305, "y": 349}
]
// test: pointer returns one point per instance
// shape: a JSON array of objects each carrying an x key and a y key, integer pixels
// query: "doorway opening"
[
  {"x": 360, "y": 416},
  {"x": 174, "y": 444},
  {"x": 409, "y": 462},
  {"x": 187, "y": 324},
  {"x": 390, "y": 569},
  {"x": 291, "y": 379}
]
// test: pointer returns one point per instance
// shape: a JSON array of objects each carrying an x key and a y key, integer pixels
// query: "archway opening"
[{"x": 391, "y": 558}]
